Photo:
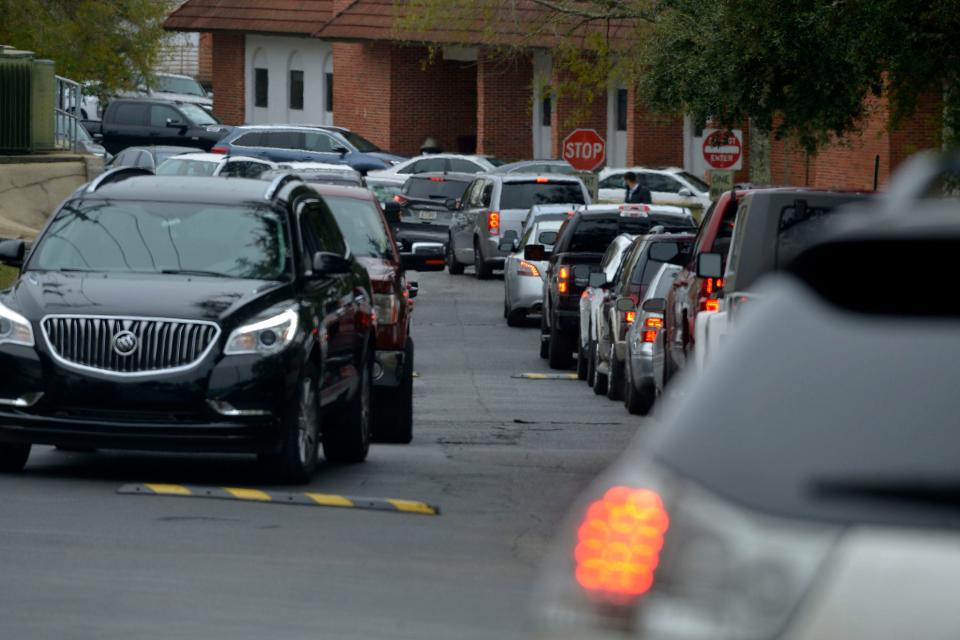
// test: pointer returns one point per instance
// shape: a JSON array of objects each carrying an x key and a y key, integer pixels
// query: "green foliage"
[
  {"x": 7, "y": 276},
  {"x": 110, "y": 41}
]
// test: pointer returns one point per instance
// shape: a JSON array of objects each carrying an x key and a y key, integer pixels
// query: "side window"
[
  {"x": 473, "y": 194},
  {"x": 701, "y": 234},
  {"x": 410, "y": 168},
  {"x": 429, "y": 164},
  {"x": 460, "y": 165},
  {"x": 145, "y": 160},
  {"x": 487, "y": 194},
  {"x": 320, "y": 231},
  {"x": 613, "y": 182},
  {"x": 664, "y": 184},
  {"x": 319, "y": 142},
  {"x": 160, "y": 113},
  {"x": 283, "y": 139},
  {"x": 244, "y": 169},
  {"x": 252, "y": 139},
  {"x": 130, "y": 113}
]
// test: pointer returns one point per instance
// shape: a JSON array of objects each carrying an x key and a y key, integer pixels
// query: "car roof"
[
  {"x": 318, "y": 166},
  {"x": 173, "y": 75},
  {"x": 533, "y": 177},
  {"x": 167, "y": 148},
  {"x": 212, "y": 190},
  {"x": 288, "y": 127},
  {"x": 342, "y": 191},
  {"x": 454, "y": 175},
  {"x": 203, "y": 156}
]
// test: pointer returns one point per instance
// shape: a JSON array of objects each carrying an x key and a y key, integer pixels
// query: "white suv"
[{"x": 671, "y": 185}]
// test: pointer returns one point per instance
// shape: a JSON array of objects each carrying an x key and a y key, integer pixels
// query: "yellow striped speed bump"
[
  {"x": 546, "y": 376},
  {"x": 256, "y": 495}
]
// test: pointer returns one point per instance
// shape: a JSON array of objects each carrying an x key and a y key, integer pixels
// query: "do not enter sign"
[
  {"x": 584, "y": 149},
  {"x": 723, "y": 148}
]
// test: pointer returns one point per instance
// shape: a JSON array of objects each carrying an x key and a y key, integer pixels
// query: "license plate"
[{"x": 428, "y": 215}]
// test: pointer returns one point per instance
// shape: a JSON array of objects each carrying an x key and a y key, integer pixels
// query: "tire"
[
  {"x": 637, "y": 401},
  {"x": 348, "y": 438},
  {"x": 615, "y": 378},
  {"x": 481, "y": 268},
  {"x": 599, "y": 379},
  {"x": 516, "y": 318},
  {"x": 560, "y": 349},
  {"x": 297, "y": 460},
  {"x": 544, "y": 345},
  {"x": 454, "y": 267},
  {"x": 393, "y": 415},
  {"x": 13, "y": 457},
  {"x": 591, "y": 365},
  {"x": 582, "y": 363}
]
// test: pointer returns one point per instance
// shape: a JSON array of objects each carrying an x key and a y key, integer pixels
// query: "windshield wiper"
[{"x": 194, "y": 272}]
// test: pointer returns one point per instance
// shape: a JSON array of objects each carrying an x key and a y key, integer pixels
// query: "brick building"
[{"x": 347, "y": 62}]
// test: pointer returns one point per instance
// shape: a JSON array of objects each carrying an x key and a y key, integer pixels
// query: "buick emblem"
[{"x": 125, "y": 343}]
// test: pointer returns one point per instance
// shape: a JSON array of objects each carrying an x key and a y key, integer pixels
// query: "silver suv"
[{"x": 496, "y": 205}]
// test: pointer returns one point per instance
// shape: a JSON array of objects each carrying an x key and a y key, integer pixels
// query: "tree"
[
  {"x": 799, "y": 69},
  {"x": 113, "y": 43}
]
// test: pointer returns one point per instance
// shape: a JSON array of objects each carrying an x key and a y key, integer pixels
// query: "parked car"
[
  {"x": 147, "y": 157},
  {"x": 806, "y": 489},
  {"x": 495, "y": 204},
  {"x": 369, "y": 239},
  {"x": 590, "y": 302},
  {"x": 537, "y": 167},
  {"x": 439, "y": 163},
  {"x": 772, "y": 228},
  {"x": 617, "y": 306},
  {"x": 175, "y": 87},
  {"x": 523, "y": 279},
  {"x": 643, "y": 360},
  {"x": 85, "y": 142},
  {"x": 213, "y": 164},
  {"x": 671, "y": 185},
  {"x": 293, "y": 143},
  {"x": 582, "y": 243},
  {"x": 136, "y": 122},
  {"x": 324, "y": 173},
  {"x": 165, "y": 313},
  {"x": 426, "y": 206}
]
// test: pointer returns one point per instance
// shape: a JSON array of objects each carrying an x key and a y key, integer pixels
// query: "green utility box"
[{"x": 27, "y": 101}]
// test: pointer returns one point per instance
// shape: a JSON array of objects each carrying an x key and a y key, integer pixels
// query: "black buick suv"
[{"x": 188, "y": 314}]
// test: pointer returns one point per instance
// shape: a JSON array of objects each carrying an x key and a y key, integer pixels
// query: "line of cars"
[{"x": 801, "y": 482}]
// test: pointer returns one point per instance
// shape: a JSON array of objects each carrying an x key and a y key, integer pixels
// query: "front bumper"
[
  {"x": 389, "y": 368},
  {"x": 169, "y": 412}
]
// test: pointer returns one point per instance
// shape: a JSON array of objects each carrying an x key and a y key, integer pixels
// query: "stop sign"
[
  {"x": 584, "y": 149},
  {"x": 722, "y": 148}
]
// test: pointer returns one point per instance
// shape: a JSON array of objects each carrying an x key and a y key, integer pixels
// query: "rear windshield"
[
  {"x": 435, "y": 188},
  {"x": 523, "y": 195},
  {"x": 594, "y": 235},
  {"x": 645, "y": 269},
  {"x": 799, "y": 227}
]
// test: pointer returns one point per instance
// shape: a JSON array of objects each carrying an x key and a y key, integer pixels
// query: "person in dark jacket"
[{"x": 636, "y": 193}]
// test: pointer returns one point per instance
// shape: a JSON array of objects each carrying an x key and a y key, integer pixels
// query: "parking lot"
[{"x": 502, "y": 457}]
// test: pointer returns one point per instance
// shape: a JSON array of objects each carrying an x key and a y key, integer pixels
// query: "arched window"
[
  {"x": 328, "y": 85},
  {"x": 261, "y": 79},
  {"x": 295, "y": 82}
]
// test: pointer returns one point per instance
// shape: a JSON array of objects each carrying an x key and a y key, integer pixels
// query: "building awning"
[{"x": 292, "y": 17}]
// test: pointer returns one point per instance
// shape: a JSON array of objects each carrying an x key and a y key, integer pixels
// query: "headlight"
[
  {"x": 14, "y": 328},
  {"x": 264, "y": 337},
  {"x": 388, "y": 307}
]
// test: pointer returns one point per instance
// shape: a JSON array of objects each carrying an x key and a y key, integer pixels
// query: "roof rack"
[
  {"x": 277, "y": 183},
  {"x": 116, "y": 175}
]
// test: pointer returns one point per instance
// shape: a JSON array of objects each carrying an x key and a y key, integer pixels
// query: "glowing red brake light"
[
  {"x": 528, "y": 269},
  {"x": 649, "y": 336},
  {"x": 563, "y": 280},
  {"x": 653, "y": 322},
  {"x": 711, "y": 305},
  {"x": 493, "y": 223},
  {"x": 436, "y": 179},
  {"x": 399, "y": 199},
  {"x": 219, "y": 150},
  {"x": 543, "y": 180},
  {"x": 629, "y": 317},
  {"x": 619, "y": 543}
]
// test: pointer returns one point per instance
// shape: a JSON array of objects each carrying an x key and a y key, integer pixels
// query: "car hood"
[{"x": 222, "y": 300}]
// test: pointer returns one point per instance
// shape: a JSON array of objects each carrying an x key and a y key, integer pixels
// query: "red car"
[{"x": 370, "y": 240}]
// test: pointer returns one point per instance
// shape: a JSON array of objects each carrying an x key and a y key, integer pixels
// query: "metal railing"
[{"x": 69, "y": 96}]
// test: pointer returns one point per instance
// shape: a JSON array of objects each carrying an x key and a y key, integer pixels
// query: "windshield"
[
  {"x": 384, "y": 192},
  {"x": 523, "y": 195},
  {"x": 171, "y": 84},
  {"x": 435, "y": 188},
  {"x": 695, "y": 181},
  {"x": 362, "y": 144},
  {"x": 198, "y": 115},
  {"x": 182, "y": 167},
  {"x": 239, "y": 241},
  {"x": 362, "y": 227}
]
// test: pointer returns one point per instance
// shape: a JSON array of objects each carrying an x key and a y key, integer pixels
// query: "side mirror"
[
  {"x": 341, "y": 150},
  {"x": 424, "y": 256},
  {"x": 581, "y": 274},
  {"x": 509, "y": 241},
  {"x": 413, "y": 288},
  {"x": 710, "y": 265},
  {"x": 598, "y": 279},
  {"x": 326, "y": 264},
  {"x": 626, "y": 305},
  {"x": 686, "y": 193},
  {"x": 12, "y": 252},
  {"x": 664, "y": 251},
  {"x": 452, "y": 204},
  {"x": 534, "y": 252},
  {"x": 654, "y": 305},
  {"x": 548, "y": 238}
]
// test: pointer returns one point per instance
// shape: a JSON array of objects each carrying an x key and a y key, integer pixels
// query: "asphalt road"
[{"x": 502, "y": 457}]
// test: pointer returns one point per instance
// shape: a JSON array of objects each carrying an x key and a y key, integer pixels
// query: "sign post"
[{"x": 584, "y": 149}]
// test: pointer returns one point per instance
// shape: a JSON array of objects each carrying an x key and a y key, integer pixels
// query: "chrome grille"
[{"x": 161, "y": 344}]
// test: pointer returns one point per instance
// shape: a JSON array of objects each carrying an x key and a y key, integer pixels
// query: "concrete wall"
[{"x": 32, "y": 187}]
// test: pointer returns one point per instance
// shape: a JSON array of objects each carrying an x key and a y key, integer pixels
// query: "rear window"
[
  {"x": 645, "y": 270},
  {"x": 594, "y": 235},
  {"x": 800, "y": 225},
  {"x": 130, "y": 113},
  {"x": 435, "y": 188},
  {"x": 523, "y": 195},
  {"x": 252, "y": 139}
]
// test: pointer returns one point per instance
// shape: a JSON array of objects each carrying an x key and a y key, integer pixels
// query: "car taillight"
[
  {"x": 712, "y": 284},
  {"x": 528, "y": 269},
  {"x": 629, "y": 317},
  {"x": 399, "y": 199},
  {"x": 711, "y": 305},
  {"x": 436, "y": 179},
  {"x": 219, "y": 150},
  {"x": 619, "y": 542},
  {"x": 563, "y": 280},
  {"x": 493, "y": 223},
  {"x": 653, "y": 323}
]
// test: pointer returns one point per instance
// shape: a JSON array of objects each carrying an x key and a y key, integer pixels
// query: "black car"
[
  {"x": 200, "y": 314},
  {"x": 426, "y": 205},
  {"x": 147, "y": 157},
  {"x": 135, "y": 122}
]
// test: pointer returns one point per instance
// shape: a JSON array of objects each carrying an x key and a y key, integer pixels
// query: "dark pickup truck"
[
  {"x": 144, "y": 122},
  {"x": 582, "y": 241}
]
